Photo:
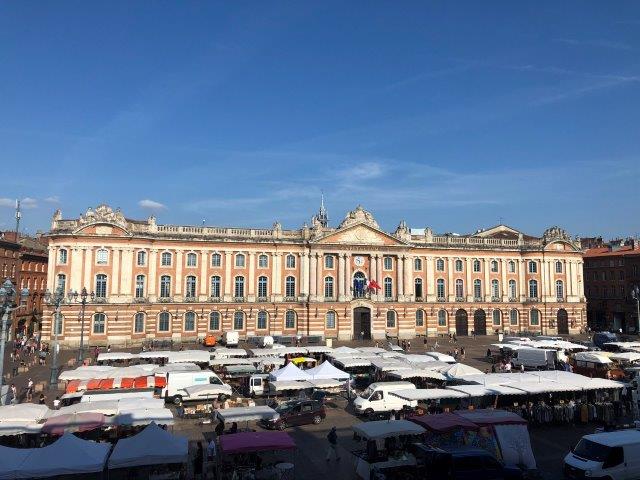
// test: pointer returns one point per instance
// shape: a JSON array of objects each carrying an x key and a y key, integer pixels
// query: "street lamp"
[
  {"x": 7, "y": 305},
  {"x": 56, "y": 299},
  {"x": 635, "y": 294},
  {"x": 83, "y": 299}
]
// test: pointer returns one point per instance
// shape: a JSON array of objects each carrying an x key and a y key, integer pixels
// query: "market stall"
[{"x": 326, "y": 370}]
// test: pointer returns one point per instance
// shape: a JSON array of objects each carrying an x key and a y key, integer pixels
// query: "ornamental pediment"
[{"x": 360, "y": 235}]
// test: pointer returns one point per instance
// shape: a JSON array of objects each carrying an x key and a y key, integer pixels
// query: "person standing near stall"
[{"x": 332, "y": 438}]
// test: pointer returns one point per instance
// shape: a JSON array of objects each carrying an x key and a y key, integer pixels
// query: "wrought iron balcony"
[
  {"x": 496, "y": 299},
  {"x": 361, "y": 294},
  {"x": 419, "y": 299},
  {"x": 460, "y": 299},
  {"x": 239, "y": 299},
  {"x": 560, "y": 299},
  {"x": 263, "y": 299},
  {"x": 214, "y": 299},
  {"x": 140, "y": 300},
  {"x": 532, "y": 299},
  {"x": 165, "y": 299},
  {"x": 513, "y": 299},
  {"x": 289, "y": 299},
  {"x": 389, "y": 299},
  {"x": 477, "y": 299},
  {"x": 442, "y": 299},
  {"x": 190, "y": 299}
]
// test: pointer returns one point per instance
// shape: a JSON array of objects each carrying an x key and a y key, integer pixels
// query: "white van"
[
  {"x": 613, "y": 455},
  {"x": 535, "y": 358},
  {"x": 376, "y": 398},
  {"x": 230, "y": 339},
  {"x": 178, "y": 381}
]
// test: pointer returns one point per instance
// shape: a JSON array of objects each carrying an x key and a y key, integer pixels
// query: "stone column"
[
  {"x": 400, "y": 277},
  {"x": 313, "y": 275},
  {"x": 153, "y": 266},
  {"x": 340, "y": 278},
  {"x": 87, "y": 281},
  {"x": 204, "y": 281},
  {"x": 523, "y": 289},
  {"x": 304, "y": 275},
  {"x": 319, "y": 279},
  {"x": 503, "y": 280},
  {"x": 430, "y": 286},
  {"x": 228, "y": 284},
  {"x": 276, "y": 284},
  {"x": 179, "y": 287},
  {"x": 75, "y": 258},
  {"x": 251, "y": 287},
  {"x": 487, "y": 282},
  {"x": 380, "y": 279},
  {"x": 452, "y": 282},
  {"x": 126, "y": 272},
  {"x": 347, "y": 274},
  {"x": 409, "y": 290},
  {"x": 115, "y": 273},
  {"x": 468, "y": 282}
]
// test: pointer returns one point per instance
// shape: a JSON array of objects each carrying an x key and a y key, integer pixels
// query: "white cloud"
[
  {"x": 7, "y": 202},
  {"x": 151, "y": 205},
  {"x": 26, "y": 202},
  {"x": 52, "y": 199}
]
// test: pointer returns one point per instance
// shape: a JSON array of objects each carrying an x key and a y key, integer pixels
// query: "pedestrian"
[
  {"x": 493, "y": 368},
  {"x": 14, "y": 394},
  {"x": 29, "y": 390},
  {"x": 56, "y": 403},
  {"x": 450, "y": 338},
  {"x": 522, "y": 368},
  {"x": 455, "y": 339},
  {"x": 219, "y": 428},
  {"x": 377, "y": 345},
  {"x": 108, "y": 348},
  {"x": 462, "y": 352},
  {"x": 488, "y": 353},
  {"x": 42, "y": 399},
  {"x": 425, "y": 342},
  {"x": 408, "y": 345},
  {"x": 332, "y": 438},
  {"x": 234, "y": 428}
]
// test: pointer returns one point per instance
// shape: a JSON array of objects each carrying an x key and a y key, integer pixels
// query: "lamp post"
[
  {"x": 635, "y": 294},
  {"x": 56, "y": 299},
  {"x": 83, "y": 300},
  {"x": 7, "y": 305}
]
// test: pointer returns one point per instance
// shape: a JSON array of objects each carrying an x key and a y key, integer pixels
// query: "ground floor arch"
[
  {"x": 563, "y": 322},
  {"x": 362, "y": 323},
  {"x": 480, "y": 322},
  {"x": 462, "y": 323}
]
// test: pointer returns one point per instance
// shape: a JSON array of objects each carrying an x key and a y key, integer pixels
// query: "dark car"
[
  {"x": 600, "y": 338},
  {"x": 296, "y": 412}
]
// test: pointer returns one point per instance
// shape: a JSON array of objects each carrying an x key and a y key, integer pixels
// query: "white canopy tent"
[
  {"x": 326, "y": 383},
  {"x": 417, "y": 373},
  {"x": 220, "y": 352},
  {"x": 232, "y": 361},
  {"x": 319, "y": 349},
  {"x": 153, "y": 354},
  {"x": 375, "y": 350},
  {"x": 289, "y": 372},
  {"x": 143, "y": 416},
  {"x": 112, "y": 356},
  {"x": 626, "y": 357},
  {"x": 442, "y": 357},
  {"x": 23, "y": 412},
  {"x": 246, "y": 414},
  {"x": 390, "y": 364},
  {"x": 283, "y": 385},
  {"x": 190, "y": 356},
  {"x": 485, "y": 390},
  {"x": 385, "y": 429},
  {"x": 326, "y": 370},
  {"x": 87, "y": 372},
  {"x": 425, "y": 394},
  {"x": 152, "y": 446},
  {"x": 344, "y": 350},
  {"x": 592, "y": 357},
  {"x": 353, "y": 362},
  {"x": 459, "y": 370}
]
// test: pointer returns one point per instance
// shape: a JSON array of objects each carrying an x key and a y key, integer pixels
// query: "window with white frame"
[
  {"x": 495, "y": 289},
  {"x": 215, "y": 286},
  {"x": 290, "y": 319},
  {"x": 330, "y": 319},
  {"x": 494, "y": 266},
  {"x": 138, "y": 323},
  {"x": 262, "y": 286},
  {"x": 263, "y": 318},
  {"x": 99, "y": 323},
  {"x": 58, "y": 323},
  {"x": 190, "y": 291},
  {"x": 417, "y": 287},
  {"x": 476, "y": 266},
  {"x": 192, "y": 260},
  {"x": 165, "y": 286},
  {"x": 328, "y": 261},
  {"x": 189, "y": 322},
  {"x": 164, "y": 321},
  {"x": 101, "y": 285},
  {"x": 533, "y": 289},
  {"x": 165, "y": 259},
  {"x": 558, "y": 266},
  {"x": 513, "y": 317},
  {"x": 238, "y": 320},
  {"x": 214, "y": 321},
  {"x": 263, "y": 261},
  {"x": 240, "y": 260},
  {"x": 442, "y": 318},
  {"x": 534, "y": 317},
  {"x": 459, "y": 288},
  {"x": 62, "y": 256},
  {"x": 417, "y": 264},
  {"x": 513, "y": 290},
  {"x": 388, "y": 288},
  {"x": 102, "y": 256},
  {"x": 141, "y": 258},
  {"x": 139, "y": 286},
  {"x": 477, "y": 289},
  {"x": 512, "y": 266},
  {"x": 61, "y": 283},
  {"x": 328, "y": 287},
  {"x": 559, "y": 289},
  {"x": 497, "y": 317},
  {"x": 238, "y": 290},
  {"x": 216, "y": 260},
  {"x": 440, "y": 290},
  {"x": 533, "y": 267},
  {"x": 419, "y": 318},
  {"x": 387, "y": 263},
  {"x": 440, "y": 265},
  {"x": 290, "y": 287},
  {"x": 290, "y": 261},
  {"x": 459, "y": 265},
  {"x": 391, "y": 319}
]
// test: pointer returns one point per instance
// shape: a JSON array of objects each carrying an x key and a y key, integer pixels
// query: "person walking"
[
  {"x": 14, "y": 394},
  {"x": 42, "y": 400},
  {"x": 332, "y": 438},
  {"x": 29, "y": 390}
]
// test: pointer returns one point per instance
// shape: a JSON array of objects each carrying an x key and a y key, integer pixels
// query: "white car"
[{"x": 200, "y": 393}]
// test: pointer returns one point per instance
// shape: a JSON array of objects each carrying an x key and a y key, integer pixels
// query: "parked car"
[
  {"x": 296, "y": 412},
  {"x": 377, "y": 398},
  {"x": 535, "y": 358},
  {"x": 600, "y": 338}
]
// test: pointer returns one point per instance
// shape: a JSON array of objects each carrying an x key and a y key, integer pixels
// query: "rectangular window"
[
  {"x": 262, "y": 321},
  {"x": 138, "y": 326},
  {"x": 62, "y": 257},
  {"x": 328, "y": 261},
  {"x": 240, "y": 260},
  {"x": 440, "y": 289},
  {"x": 388, "y": 263},
  {"x": 102, "y": 256},
  {"x": 165, "y": 259},
  {"x": 216, "y": 260},
  {"x": 262, "y": 287},
  {"x": 192, "y": 260},
  {"x": 558, "y": 267},
  {"x": 163, "y": 324},
  {"x": 140, "y": 286},
  {"x": 215, "y": 287},
  {"x": 263, "y": 261},
  {"x": 533, "y": 267},
  {"x": 99, "y": 323},
  {"x": 142, "y": 258}
]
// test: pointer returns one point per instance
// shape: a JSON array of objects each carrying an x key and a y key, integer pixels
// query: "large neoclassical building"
[{"x": 150, "y": 281}]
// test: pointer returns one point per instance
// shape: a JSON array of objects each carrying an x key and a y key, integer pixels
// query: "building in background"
[
  {"x": 150, "y": 281},
  {"x": 611, "y": 271}
]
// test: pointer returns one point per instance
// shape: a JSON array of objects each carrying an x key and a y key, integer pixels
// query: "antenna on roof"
[{"x": 500, "y": 223}]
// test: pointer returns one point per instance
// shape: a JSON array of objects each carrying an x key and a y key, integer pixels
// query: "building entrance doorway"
[
  {"x": 563, "y": 322},
  {"x": 462, "y": 323},
  {"x": 362, "y": 323},
  {"x": 480, "y": 322}
]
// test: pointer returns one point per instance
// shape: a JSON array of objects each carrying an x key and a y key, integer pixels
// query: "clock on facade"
[{"x": 358, "y": 261}]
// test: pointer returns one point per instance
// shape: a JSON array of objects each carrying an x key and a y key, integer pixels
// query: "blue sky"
[{"x": 452, "y": 115}]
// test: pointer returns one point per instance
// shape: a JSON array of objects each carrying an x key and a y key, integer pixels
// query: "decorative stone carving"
[
  {"x": 402, "y": 232},
  {"x": 359, "y": 215},
  {"x": 103, "y": 214},
  {"x": 554, "y": 234}
]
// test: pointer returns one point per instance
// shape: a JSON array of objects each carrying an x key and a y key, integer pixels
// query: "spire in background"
[
  {"x": 323, "y": 216},
  {"x": 18, "y": 215}
]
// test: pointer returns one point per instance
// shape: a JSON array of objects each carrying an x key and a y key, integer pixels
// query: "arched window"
[
  {"x": 442, "y": 318},
  {"x": 494, "y": 266},
  {"x": 440, "y": 290},
  {"x": 459, "y": 289},
  {"x": 99, "y": 323},
  {"x": 58, "y": 323},
  {"x": 138, "y": 323},
  {"x": 417, "y": 264},
  {"x": 419, "y": 318},
  {"x": 512, "y": 266},
  {"x": 263, "y": 261},
  {"x": 497, "y": 317},
  {"x": 214, "y": 321},
  {"x": 459, "y": 265},
  {"x": 495, "y": 290},
  {"x": 290, "y": 287},
  {"x": 215, "y": 286},
  {"x": 533, "y": 289},
  {"x": 238, "y": 320},
  {"x": 387, "y": 263},
  {"x": 189, "y": 322},
  {"x": 328, "y": 261},
  {"x": 165, "y": 259},
  {"x": 62, "y": 256},
  {"x": 102, "y": 256},
  {"x": 240, "y": 261},
  {"x": 533, "y": 267},
  {"x": 391, "y": 319},
  {"x": 61, "y": 284},
  {"x": 513, "y": 290},
  {"x": 191, "y": 286},
  {"x": 263, "y": 317},
  {"x": 216, "y": 260},
  {"x": 192, "y": 260},
  {"x": 417, "y": 287},
  {"x": 440, "y": 265},
  {"x": 164, "y": 321},
  {"x": 290, "y": 319},
  {"x": 388, "y": 288},
  {"x": 477, "y": 289},
  {"x": 534, "y": 318},
  {"x": 476, "y": 266},
  {"x": 558, "y": 266},
  {"x": 559, "y": 290},
  {"x": 513, "y": 317},
  {"x": 262, "y": 287},
  {"x": 328, "y": 287},
  {"x": 101, "y": 285},
  {"x": 139, "y": 286},
  {"x": 238, "y": 291},
  {"x": 291, "y": 261},
  {"x": 165, "y": 286},
  {"x": 331, "y": 319}
]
